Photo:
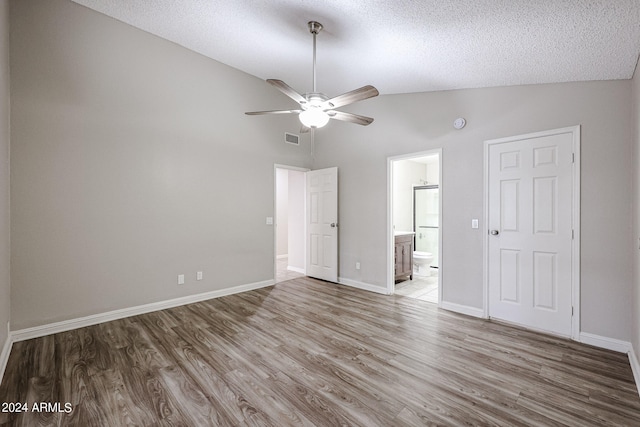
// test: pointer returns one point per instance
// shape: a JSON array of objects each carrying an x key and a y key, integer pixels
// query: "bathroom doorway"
[{"x": 415, "y": 212}]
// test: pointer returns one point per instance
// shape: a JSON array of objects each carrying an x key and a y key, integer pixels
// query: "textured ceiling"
[{"x": 401, "y": 46}]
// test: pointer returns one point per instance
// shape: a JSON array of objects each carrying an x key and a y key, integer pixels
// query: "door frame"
[
  {"x": 575, "y": 219},
  {"x": 390, "y": 238},
  {"x": 277, "y": 166}
]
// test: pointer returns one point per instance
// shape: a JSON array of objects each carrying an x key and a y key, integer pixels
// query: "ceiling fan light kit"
[
  {"x": 313, "y": 118},
  {"x": 317, "y": 108}
]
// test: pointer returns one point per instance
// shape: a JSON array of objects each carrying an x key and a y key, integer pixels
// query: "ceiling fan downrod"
[{"x": 314, "y": 28}]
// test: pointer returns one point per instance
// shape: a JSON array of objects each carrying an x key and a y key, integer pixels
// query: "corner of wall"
[
  {"x": 635, "y": 367},
  {"x": 5, "y": 224},
  {"x": 635, "y": 315},
  {"x": 4, "y": 353}
]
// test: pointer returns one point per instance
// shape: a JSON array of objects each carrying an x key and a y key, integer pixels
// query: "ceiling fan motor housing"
[{"x": 315, "y": 99}]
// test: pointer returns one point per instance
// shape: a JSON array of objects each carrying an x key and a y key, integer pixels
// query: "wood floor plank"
[
  {"x": 116, "y": 399},
  {"x": 312, "y": 353},
  {"x": 206, "y": 373}
]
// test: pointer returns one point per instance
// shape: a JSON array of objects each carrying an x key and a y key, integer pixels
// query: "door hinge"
[
  {"x": 572, "y": 235},
  {"x": 571, "y": 311},
  {"x": 573, "y": 157}
]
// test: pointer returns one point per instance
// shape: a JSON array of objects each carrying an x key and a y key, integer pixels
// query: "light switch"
[
  {"x": 474, "y": 223},
  {"x": 269, "y": 220}
]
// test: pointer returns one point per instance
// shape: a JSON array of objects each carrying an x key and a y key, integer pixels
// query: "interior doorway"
[
  {"x": 289, "y": 233},
  {"x": 415, "y": 225}
]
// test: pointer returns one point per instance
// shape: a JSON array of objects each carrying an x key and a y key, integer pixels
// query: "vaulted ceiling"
[{"x": 401, "y": 46}]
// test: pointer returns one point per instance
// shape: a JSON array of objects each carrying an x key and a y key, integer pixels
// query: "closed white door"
[
  {"x": 322, "y": 224},
  {"x": 530, "y": 231}
]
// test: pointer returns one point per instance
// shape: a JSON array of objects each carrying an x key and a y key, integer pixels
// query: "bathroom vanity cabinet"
[{"x": 404, "y": 255}]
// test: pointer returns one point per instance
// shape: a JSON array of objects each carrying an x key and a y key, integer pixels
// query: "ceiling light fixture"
[{"x": 313, "y": 118}]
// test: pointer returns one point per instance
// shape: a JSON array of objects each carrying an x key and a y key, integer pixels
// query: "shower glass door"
[{"x": 426, "y": 219}]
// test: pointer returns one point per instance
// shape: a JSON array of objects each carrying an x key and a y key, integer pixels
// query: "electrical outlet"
[
  {"x": 180, "y": 279},
  {"x": 357, "y": 266},
  {"x": 199, "y": 275},
  {"x": 269, "y": 220}
]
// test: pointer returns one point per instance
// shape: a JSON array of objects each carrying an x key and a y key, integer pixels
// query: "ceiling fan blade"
[
  {"x": 287, "y": 90},
  {"x": 364, "y": 92},
  {"x": 350, "y": 117},
  {"x": 257, "y": 113}
]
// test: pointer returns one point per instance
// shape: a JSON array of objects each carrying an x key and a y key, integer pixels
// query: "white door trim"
[
  {"x": 277, "y": 166},
  {"x": 390, "y": 239},
  {"x": 575, "y": 246}
]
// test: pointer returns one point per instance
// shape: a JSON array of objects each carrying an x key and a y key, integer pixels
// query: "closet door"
[{"x": 530, "y": 231}]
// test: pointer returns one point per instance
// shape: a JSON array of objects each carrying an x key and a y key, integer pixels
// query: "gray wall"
[
  {"x": 5, "y": 281},
  {"x": 132, "y": 162},
  {"x": 635, "y": 248},
  {"x": 417, "y": 122}
]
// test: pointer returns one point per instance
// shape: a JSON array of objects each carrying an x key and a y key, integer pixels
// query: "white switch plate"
[
  {"x": 269, "y": 220},
  {"x": 180, "y": 279},
  {"x": 357, "y": 266},
  {"x": 474, "y": 223},
  {"x": 199, "y": 275}
]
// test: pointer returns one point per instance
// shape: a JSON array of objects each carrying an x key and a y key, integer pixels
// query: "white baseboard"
[
  {"x": 363, "y": 286},
  {"x": 635, "y": 368},
  {"x": 4, "y": 354},
  {"x": 282, "y": 256},
  {"x": 462, "y": 309},
  {"x": 296, "y": 269},
  {"x": 67, "y": 325},
  {"x": 604, "y": 342}
]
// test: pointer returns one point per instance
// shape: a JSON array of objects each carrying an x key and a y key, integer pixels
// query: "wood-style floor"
[{"x": 306, "y": 352}]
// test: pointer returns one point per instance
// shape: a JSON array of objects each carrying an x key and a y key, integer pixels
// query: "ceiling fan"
[{"x": 316, "y": 108}]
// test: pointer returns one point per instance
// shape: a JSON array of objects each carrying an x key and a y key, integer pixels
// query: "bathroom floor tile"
[{"x": 422, "y": 288}]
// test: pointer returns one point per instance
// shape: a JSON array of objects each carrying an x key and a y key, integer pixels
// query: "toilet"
[{"x": 422, "y": 263}]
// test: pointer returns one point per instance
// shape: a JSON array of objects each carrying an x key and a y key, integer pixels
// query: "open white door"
[{"x": 322, "y": 224}]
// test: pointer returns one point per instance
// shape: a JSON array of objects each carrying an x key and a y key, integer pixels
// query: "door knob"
[
  {"x": 334, "y": 225},
  {"x": 494, "y": 232}
]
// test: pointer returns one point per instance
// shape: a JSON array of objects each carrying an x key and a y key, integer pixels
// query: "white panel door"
[
  {"x": 530, "y": 232},
  {"x": 322, "y": 224}
]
